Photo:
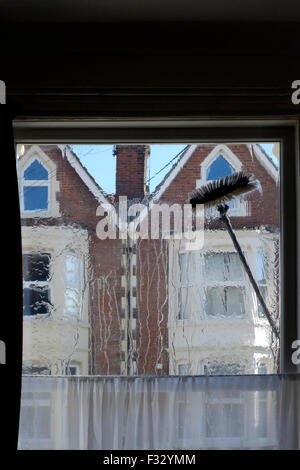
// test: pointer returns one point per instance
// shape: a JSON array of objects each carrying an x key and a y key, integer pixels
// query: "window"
[
  {"x": 72, "y": 369},
  {"x": 189, "y": 281},
  {"x": 134, "y": 316},
  {"x": 224, "y": 408},
  {"x": 184, "y": 369},
  {"x": 224, "y": 285},
  {"x": 261, "y": 281},
  {"x": 35, "y": 187},
  {"x": 223, "y": 368},
  {"x": 36, "y": 284},
  {"x": 38, "y": 183},
  {"x": 35, "y": 370},
  {"x": 36, "y": 419},
  {"x": 73, "y": 273},
  {"x": 222, "y": 161}
]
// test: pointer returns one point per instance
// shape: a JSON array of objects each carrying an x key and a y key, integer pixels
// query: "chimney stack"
[{"x": 131, "y": 170}]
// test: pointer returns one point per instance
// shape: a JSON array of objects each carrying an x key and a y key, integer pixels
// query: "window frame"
[{"x": 204, "y": 131}]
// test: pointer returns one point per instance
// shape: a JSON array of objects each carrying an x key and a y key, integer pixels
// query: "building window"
[
  {"x": 218, "y": 169},
  {"x": 223, "y": 368},
  {"x": 35, "y": 370},
  {"x": 36, "y": 420},
  {"x": 73, "y": 279},
  {"x": 185, "y": 369},
  {"x": 35, "y": 187},
  {"x": 225, "y": 285},
  {"x": 188, "y": 284},
  {"x": 224, "y": 409},
  {"x": 36, "y": 284}
]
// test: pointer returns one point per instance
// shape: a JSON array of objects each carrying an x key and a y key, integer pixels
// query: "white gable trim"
[{"x": 83, "y": 175}]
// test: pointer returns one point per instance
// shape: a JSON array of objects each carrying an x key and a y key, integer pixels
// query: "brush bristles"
[{"x": 222, "y": 190}]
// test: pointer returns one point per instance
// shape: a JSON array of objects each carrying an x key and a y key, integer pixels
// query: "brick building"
[{"x": 145, "y": 306}]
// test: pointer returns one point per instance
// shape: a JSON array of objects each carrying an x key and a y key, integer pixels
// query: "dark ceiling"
[{"x": 148, "y": 10}]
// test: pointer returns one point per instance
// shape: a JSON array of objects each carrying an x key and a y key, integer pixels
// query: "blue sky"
[{"x": 101, "y": 164}]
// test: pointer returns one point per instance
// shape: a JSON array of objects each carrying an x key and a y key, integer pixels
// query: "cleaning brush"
[{"x": 217, "y": 193}]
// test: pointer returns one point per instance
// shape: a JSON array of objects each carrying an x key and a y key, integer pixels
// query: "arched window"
[
  {"x": 35, "y": 187},
  {"x": 218, "y": 169},
  {"x": 221, "y": 162}
]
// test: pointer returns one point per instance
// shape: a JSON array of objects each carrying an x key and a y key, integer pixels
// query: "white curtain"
[{"x": 193, "y": 412}]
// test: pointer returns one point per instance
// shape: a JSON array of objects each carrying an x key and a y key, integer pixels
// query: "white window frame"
[{"x": 222, "y": 284}]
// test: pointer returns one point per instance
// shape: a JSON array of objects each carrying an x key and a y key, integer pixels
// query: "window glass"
[
  {"x": 36, "y": 300},
  {"x": 73, "y": 273},
  {"x": 222, "y": 267},
  {"x": 219, "y": 168},
  {"x": 36, "y": 171},
  {"x": 167, "y": 302},
  {"x": 228, "y": 301},
  {"x": 35, "y": 198},
  {"x": 36, "y": 266}
]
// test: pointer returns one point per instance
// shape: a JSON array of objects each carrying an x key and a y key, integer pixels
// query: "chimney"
[{"x": 131, "y": 170}]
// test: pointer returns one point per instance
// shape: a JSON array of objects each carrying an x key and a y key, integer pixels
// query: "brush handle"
[{"x": 224, "y": 218}]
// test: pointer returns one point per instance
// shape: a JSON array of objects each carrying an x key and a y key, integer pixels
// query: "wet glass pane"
[
  {"x": 36, "y": 301},
  {"x": 228, "y": 301},
  {"x": 222, "y": 267},
  {"x": 120, "y": 277},
  {"x": 36, "y": 266}
]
